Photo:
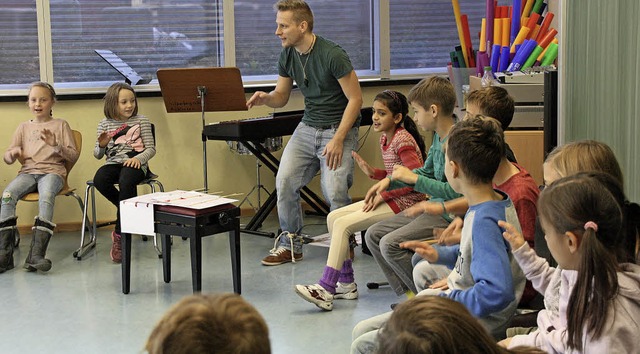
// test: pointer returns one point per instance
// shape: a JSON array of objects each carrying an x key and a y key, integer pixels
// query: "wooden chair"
[{"x": 66, "y": 190}]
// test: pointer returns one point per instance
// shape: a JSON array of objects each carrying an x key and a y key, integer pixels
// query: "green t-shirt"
[{"x": 323, "y": 97}]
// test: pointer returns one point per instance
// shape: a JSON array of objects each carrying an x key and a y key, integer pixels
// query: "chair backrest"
[{"x": 68, "y": 165}]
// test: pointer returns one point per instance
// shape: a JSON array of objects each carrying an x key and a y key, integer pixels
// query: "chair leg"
[
  {"x": 155, "y": 185},
  {"x": 87, "y": 224}
]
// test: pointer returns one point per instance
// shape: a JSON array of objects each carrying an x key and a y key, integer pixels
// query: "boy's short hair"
[
  {"x": 494, "y": 102},
  {"x": 434, "y": 90},
  {"x": 476, "y": 144},
  {"x": 216, "y": 323},
  {"x": 301, "y": 11}
]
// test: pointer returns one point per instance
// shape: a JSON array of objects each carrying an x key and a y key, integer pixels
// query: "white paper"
[{"x": 136, "y": 218}]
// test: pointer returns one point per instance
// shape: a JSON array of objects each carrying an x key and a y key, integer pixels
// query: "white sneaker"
[
  {"x": 347, "y": 291},
  {"x": 317, "y": 295}
]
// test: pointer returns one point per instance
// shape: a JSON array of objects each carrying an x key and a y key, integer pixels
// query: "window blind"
[{"x": 147, "y": 35}]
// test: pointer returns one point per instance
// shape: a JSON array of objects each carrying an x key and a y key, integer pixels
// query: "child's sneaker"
[
  {"x": 116, "y": 247},
  {"x": 317, "y": 295},
  {"x": 347, "y": 291}
]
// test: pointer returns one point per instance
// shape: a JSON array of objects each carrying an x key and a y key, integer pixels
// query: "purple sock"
[
  {"x": 329, "y": 279},
  {"x": 346, "y": 273}
]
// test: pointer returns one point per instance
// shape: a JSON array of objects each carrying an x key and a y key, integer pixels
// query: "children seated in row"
[
  {"x": 592, "y": 301},
  {"x": 510, "y": 178},
  {"x": 591, "y": 155},
  {"x": 432, "y": 101},
  {"x": 401, "y": 145},
  {"x": 43, "y": 145},
  {"x": 485, "y": 278}
]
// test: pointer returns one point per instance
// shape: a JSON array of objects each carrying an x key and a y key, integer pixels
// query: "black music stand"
[
  {"x": 202, "y": 90},
  {"x": 130, "y": 76}
]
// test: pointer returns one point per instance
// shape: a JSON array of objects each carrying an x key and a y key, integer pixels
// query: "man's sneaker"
[
  {"x": 281, "y": 255},
  {"x": 317, "y": 295},
  {"x": 116, "y": 247},
  {"x": 347, "y": 291}
]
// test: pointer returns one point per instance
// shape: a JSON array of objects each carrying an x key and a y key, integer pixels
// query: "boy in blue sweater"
[{"x": 485, "y": 277}]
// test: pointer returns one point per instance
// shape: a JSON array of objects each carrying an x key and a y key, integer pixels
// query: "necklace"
[{"x": 304, "y": 66}]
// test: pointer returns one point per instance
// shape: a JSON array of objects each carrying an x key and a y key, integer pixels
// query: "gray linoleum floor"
[{"x": 79, "y": 307}]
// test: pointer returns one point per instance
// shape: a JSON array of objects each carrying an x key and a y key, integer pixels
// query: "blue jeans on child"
[
  {"x": 301, "y": 160},
  {"x": 47, "y": 186}
]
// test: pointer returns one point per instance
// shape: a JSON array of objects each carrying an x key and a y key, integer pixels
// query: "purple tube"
[
  {"x": 515, "y": 19},
  {"x": 521, "y": 56},
  {"x": 495, "y": 57},
  {"x": 504, "y": 59},
  {"x": 489, "y": 30}
]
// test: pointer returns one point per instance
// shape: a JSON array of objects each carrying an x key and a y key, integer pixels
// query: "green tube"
[
  {"x": 550, "y": 55},
  {"x": 532, "y": 58}
]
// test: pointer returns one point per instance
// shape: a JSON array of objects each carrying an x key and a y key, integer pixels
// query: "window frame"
[{"x": 381, "y": 59}]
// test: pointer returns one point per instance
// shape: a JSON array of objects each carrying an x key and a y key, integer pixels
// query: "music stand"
[
  {"x": 202, "y": 90},
  {"x": 130, "y": 76}
]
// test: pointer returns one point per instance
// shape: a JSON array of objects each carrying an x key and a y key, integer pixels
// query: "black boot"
[
  {"x": 7, "y": 238},
  {"x": 42, "y": 232}
]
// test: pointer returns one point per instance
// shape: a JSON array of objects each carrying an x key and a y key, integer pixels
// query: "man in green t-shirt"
[{"x": 323, "y": 141}]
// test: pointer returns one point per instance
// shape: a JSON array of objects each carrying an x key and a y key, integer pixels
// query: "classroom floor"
[{"x": 79, "y": 307}]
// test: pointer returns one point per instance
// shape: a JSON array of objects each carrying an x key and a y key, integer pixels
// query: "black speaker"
[{"x": 550, "y": 111}]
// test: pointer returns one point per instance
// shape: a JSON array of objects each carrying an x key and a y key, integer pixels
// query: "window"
[
  {"x": 19, "y": 61},
  {"x": 147, "y": 35},
  {"x": 55, "y": 40},
  {"x": 427, "y": 31},
  {"x": 346, "y": 22}
]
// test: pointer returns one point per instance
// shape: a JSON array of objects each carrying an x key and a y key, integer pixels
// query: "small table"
[{"x": 193, "y": 224}]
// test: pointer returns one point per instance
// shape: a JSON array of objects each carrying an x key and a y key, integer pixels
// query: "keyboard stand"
[{"x": 271, "y": 162}]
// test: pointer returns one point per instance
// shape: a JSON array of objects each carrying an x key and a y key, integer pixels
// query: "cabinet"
[{"x": 528, "y": 146}]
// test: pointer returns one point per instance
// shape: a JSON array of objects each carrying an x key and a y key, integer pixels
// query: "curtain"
[{"x": 601, "y": 95}]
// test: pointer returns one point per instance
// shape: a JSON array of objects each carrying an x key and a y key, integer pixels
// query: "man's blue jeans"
[
  {"x": 301, "y": 160},
  {"x": 47, "y": 186}
]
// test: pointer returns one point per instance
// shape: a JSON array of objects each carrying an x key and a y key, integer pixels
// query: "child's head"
[
  {"x": 390, "y": 109},
  {"x": 474, "y": 149},
  {"x": 220, "y": 323},
  {"x": 579, "y": 156},
  {"x": 432, "y": 98},
  {"x": 434, "y": 324},
  {"x": 492, "y": 101},
  {"x": 582, "y": 218},
  {"x": 120, "y": 102},
  {"x": 41, "y": 98}
]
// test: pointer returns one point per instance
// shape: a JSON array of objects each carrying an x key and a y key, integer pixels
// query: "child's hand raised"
[
  {"x": 103, "y": 139},
  {"x": 512, "y": 235},
  {"x": 48, "y": 137},
  {"x": 364, "y": 166},
  {"x": 423, "y": 248},
  {"x": 404, "y": 174}
]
